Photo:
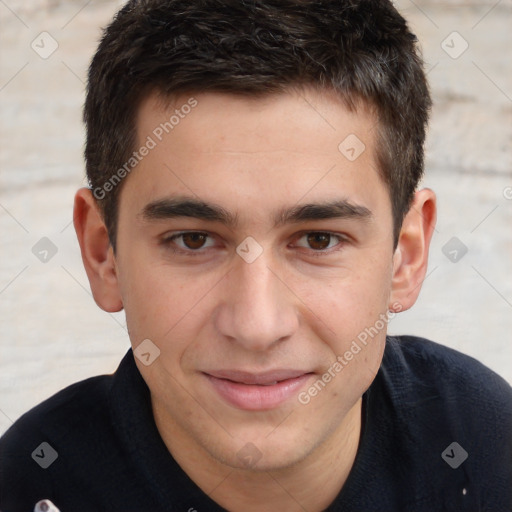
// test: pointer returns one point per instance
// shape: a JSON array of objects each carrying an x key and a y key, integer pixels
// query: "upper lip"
[{"x": 262, "y": 378}]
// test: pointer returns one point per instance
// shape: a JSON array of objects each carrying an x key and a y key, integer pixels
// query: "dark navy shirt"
[{"x": 436, "y": 436}]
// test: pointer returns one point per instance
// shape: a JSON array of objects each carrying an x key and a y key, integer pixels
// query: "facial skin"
[{"x": 296, "y": 307}]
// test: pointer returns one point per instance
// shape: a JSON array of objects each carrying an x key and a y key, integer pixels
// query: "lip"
[{"x": 257, "y": 392}]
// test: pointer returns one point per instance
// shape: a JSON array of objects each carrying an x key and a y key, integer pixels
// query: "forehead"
[
  {"x": 245, "y": 121},
  {"x": 254, "y": 150}
]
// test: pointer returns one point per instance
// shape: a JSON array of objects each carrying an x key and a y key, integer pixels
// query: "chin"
[{"x": 263, "y": 453}]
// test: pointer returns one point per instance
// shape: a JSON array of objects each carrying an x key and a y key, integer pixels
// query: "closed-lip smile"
[{"x": 258, "y": 390}]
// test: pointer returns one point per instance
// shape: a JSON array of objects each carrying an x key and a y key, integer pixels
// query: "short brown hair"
[{"x": 362, "y": 49}]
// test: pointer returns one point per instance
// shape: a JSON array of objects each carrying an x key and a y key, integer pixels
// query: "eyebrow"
[
  {"x": 341, "y": 209},
  {"x": 169, "y": 208},
  {"x": 187, "y": 207}
]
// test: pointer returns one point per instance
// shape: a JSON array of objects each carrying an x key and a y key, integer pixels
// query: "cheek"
[
  {"x": 152, "y": 297},
  {"x": 164, "y": 305},
  {"x": 346, "y": 307}
]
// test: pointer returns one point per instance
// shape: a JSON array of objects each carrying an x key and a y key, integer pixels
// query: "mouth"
[{"x": 257, "y": 391}]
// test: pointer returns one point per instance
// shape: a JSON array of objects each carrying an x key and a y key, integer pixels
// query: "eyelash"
[{"x": 342, "y": 240}]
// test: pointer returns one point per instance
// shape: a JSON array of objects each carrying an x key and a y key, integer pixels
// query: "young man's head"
[{"x": 252, "y": 168}]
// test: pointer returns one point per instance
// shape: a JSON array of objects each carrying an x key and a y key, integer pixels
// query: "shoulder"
[
  {"x": 455, "y": 416},
  {"x": 421, "y": 362},
  {"x": 32, "y": 444},
  {"x": 64, "y": 409}
]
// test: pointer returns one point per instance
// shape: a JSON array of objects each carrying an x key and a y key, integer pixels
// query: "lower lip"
[{"x": 258, "y": 398}]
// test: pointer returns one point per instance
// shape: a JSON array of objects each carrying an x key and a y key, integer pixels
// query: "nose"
[{"x": 257, "y": 310}]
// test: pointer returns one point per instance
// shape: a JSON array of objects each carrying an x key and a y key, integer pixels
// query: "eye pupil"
[
  {"x": 319, "y": 241},
  {"x": 194, "y": 240}
]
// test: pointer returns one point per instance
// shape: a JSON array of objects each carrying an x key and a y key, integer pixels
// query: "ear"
[
  {"x": 97, "y": 252},
  {"x": 410, "y": 259}
]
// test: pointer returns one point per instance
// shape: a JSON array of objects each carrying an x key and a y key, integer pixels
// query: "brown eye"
[
  {"x": 194, "y": 240},
  {"x": 318, "y": 241},
  {"x": 189, "y": 243}
]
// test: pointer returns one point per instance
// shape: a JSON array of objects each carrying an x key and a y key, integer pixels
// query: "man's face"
[{"x": 252, "y": 252}]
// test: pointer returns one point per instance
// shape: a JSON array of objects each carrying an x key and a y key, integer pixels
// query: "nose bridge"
[
  {"x": 257, "y": 310},
  {"x": 255, "y": 284}
]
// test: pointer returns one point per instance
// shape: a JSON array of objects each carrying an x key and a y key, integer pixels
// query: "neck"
[{"x": 312, "y": 484}]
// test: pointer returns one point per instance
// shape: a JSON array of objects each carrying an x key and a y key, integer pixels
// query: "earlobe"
[
  {"x": 410, "y": 259},
  {"x": 97, "y": 254}
]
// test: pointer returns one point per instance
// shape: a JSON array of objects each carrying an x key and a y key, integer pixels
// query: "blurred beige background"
[{"x": 53, "y": 333}]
